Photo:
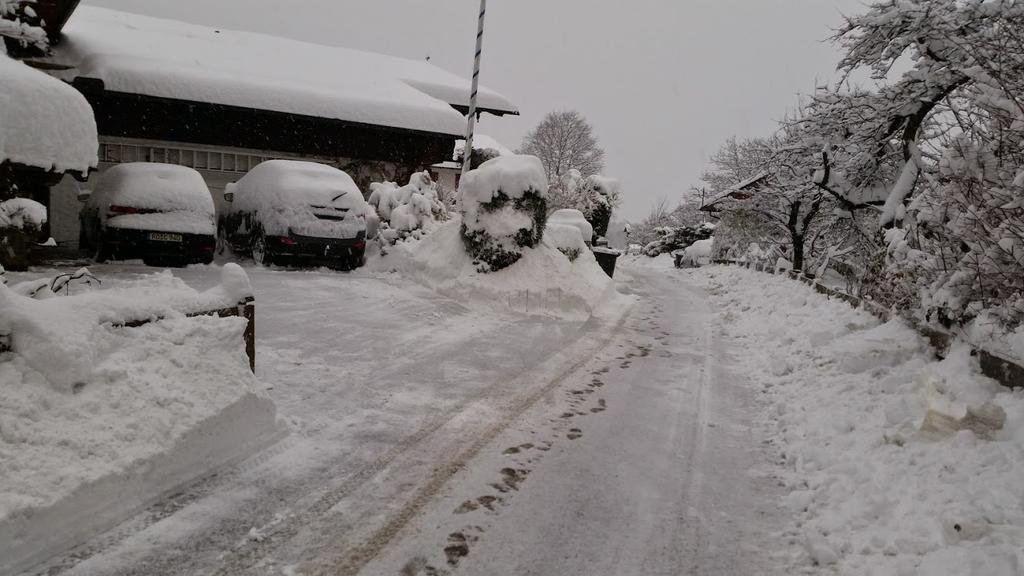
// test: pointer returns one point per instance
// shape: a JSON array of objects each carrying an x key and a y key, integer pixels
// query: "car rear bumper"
[
  {"x": 123, "y": 243},
  {"x": 307, "y": 248}
]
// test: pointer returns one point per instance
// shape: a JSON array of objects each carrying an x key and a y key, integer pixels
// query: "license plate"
[{"x": 165, "y": 237}]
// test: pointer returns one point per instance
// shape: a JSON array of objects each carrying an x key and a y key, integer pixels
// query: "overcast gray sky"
[{"x": 663, "y": 82}]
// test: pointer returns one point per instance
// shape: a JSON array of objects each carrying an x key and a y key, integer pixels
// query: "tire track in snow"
[
  {"x": 361, "y": 555},
  {"x": 155, "y": 561},
  {"x": 698, "y": 446},
  {"x": 242, "y": 559}
]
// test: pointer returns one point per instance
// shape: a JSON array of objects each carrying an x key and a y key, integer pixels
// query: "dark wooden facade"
[{"x": 124, "y": 115}]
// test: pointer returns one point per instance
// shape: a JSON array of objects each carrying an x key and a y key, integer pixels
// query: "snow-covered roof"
[
  {"x": 481, "y": 142},
  {"x": 44, "y": 123},
  {"x": 729, "y": 192},
  {"x": 170, "y": 59}
]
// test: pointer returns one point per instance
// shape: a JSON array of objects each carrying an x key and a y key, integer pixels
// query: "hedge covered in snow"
[{"x": 504, "y": 210}]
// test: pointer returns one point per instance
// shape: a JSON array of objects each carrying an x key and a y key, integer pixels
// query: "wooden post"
[{"x": 248, "y": 311}]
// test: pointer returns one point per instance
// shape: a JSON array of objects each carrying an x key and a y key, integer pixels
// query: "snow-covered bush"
[
  {"x": 408, "y": 210},
  {"x": 21, "y": 220},
  {"x": 671, "y": 238},
  {"x": 23, "y": 214},
  {"x": 595, "y": 196},
  {"x": 604, "y": 195},
  {"x": 504, "y": 210},
  {"x": 961, "y": 248}
]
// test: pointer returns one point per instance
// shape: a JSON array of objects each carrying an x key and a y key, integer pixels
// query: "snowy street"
[
  {"x": 704, "y": 425},
  {"x": 295, "y": 291},
  {"x": 621, "y": 445}
]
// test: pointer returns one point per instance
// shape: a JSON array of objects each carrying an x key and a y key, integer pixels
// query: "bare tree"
[{"x": 564, "y": 141}]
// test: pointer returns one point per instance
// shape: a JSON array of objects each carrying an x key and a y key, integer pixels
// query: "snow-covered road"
[
  {"x": 385, "y": 385},
  {"x": 640, "y": 463},
  {"x": 729, "y": 422},
  {"x": 425, "y": 436}
]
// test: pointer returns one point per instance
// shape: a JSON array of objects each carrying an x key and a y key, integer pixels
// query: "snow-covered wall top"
[
  {"x": 44, "y": 123},
  {"x": 170, "y": 59}
]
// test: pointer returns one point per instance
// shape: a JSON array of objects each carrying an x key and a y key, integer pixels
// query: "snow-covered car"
[
  {"x": 161, "y": 213},
  {"x": 288, "y": 212}
]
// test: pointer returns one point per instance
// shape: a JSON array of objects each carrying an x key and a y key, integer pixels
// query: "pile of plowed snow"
[
  {"x": 98, "y": 419},
  {"x": 895, "y": 463},
  {"x": 542, "y": 282}
]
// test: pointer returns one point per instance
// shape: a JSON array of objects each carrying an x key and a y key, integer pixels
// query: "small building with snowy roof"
[
  {"x": 222, "y": 101},
  {"x": 737, "y": 192},
  {"x": 448, "y": 173}
]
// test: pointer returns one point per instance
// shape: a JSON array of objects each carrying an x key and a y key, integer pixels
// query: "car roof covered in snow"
[
  {"x": 154, "y": 186},
  {"x": 295, "y": 182},
  {"x": 44, "y": 123},
  {"x": 170, "y": 59}
]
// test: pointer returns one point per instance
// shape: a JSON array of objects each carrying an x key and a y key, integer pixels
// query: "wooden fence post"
[{"x": 249, "y": 313}]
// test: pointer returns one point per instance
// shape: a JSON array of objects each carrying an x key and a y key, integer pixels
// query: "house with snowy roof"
[{"x": 222, "y": 101}]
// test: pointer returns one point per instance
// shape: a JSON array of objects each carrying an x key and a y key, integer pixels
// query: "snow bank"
[
  {"x": 895, "y": 463},
  {"x": 44, "y": 122},
  {"x": 987, "y": 332},
  {"x": 97, "y": 421},
  {"x": 167, "y": 198},
  {"x": 306, "y": 198},
  {"x": 62, "y": 338},
  {"x": 566, "y": 238},
  {"x": 542, "y": 282},
  {"x": 169, "y": 59}
]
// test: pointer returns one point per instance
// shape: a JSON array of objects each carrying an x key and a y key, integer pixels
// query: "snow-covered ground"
[
  {"x": 372, "y": 373},
  {"x": 730, "y": 422},
  {"x": 98, "y": 419},
  {"x": 887, "y": 471}
]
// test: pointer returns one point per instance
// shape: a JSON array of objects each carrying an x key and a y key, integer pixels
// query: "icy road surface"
[{"x": 428, "y": 439}]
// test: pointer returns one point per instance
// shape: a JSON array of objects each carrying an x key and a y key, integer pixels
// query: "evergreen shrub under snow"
[
  {"x": 407, "y": 211},
  {"x": 504, "y": 210}
]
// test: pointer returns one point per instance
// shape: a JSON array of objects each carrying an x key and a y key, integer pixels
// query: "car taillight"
[
  {"x": 115, "y": 209},
  {"x": 287, "y": 240},
  {"x": 208, "y": 248},
  {"x": 360, "y": 245}
]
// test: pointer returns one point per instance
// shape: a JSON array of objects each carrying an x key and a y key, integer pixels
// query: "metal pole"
[{"x": 467, "y": 152}]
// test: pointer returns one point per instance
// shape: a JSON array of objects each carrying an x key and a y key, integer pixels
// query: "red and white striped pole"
[{"x": 467, "y": 152}]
